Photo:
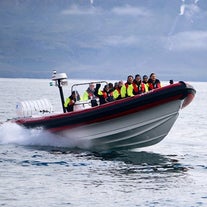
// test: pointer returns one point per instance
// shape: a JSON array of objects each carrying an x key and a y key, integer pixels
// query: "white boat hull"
[{"x": 139, "y": 129}]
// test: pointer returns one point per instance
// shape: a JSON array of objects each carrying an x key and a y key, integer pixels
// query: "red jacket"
[{"x": 154, "y": 84}]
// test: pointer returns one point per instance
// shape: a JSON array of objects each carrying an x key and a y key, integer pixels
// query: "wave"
[{"x": 11, "y": 133}]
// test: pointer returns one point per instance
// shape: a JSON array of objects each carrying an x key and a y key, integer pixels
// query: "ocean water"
[{"x": 35, "y": 171}]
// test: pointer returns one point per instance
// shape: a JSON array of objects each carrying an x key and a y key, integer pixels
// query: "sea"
[{"x": 36, "y": 171}]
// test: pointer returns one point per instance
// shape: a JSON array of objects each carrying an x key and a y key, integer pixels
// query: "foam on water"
[{"x": 11, "y": 133}]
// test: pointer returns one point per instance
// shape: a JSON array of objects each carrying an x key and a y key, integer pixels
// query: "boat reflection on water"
[
  {"x": 144, "y": 161},
  {"x": 130, "y": 161}
]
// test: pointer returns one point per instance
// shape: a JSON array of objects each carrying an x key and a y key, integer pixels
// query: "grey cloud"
[
  {"x": 131, "y": 11},
  {"x": 189, "y": 41},
  {"x": 92, "y": 37},
  {"x": 77, "y": 10}
]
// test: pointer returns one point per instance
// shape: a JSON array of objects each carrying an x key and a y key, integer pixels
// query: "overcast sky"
[{"x": 104, "y": 39}]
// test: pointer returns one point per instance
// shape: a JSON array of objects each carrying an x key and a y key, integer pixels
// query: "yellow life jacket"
[{"x": 127, "y": 90}]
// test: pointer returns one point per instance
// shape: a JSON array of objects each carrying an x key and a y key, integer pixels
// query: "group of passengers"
[{"x": 110, "y": 92}]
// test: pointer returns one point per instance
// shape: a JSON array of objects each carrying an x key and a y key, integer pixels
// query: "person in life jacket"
[
  {"x": 127, "y": 88},
  {"x": 70, "y": 102},
  {"x": 145, "y": 81},
  {"x": 171, "y": 81},
  {"x": 138, "y": 85},
  {"x": 117, "y": 90},
  {"x": 153, "y": 82},
  {"x": 111, "y": 87},
  {"x": 104, "y": 95},
  {"x": 89, "y": 93}
]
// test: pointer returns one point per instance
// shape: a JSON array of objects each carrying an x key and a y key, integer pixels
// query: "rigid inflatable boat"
[{"x": 132, "y": 122}]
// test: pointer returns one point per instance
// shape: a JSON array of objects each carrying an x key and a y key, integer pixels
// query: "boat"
[{"x": 129, "y": 123}]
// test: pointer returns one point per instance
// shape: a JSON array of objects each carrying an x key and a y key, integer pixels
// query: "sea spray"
[{"x": 11, "y": 133}]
